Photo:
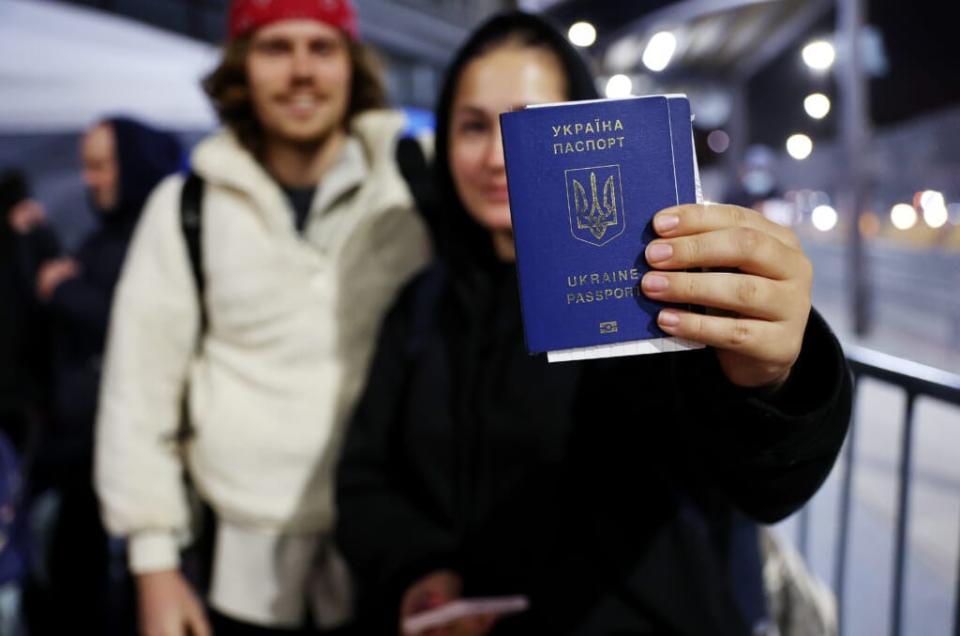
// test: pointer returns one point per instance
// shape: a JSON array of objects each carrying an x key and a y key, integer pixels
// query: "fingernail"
[
  {"x": 665, "y": 222},
  {"x": 655, "y": 282},
  {"x": 659, "y": 252},
  {"x": 668, "y": 319}
]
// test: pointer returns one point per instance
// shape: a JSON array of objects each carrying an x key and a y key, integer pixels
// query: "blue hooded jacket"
[{"x": 81, "y": 306}]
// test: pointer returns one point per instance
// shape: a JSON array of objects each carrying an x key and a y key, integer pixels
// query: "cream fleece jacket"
[{"x": 293, "y": 320}]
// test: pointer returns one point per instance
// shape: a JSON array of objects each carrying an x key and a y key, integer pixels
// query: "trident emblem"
[
  {"x": 590, "y": 215},
  {"x": 596, "y": 213}
]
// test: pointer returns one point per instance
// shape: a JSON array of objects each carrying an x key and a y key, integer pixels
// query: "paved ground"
[{"x": 934, "y": 530}]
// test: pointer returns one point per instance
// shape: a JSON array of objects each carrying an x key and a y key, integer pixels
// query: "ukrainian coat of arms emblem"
[{"x": 595, "y": 204}]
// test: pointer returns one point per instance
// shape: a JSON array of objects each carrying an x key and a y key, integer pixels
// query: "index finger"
[{"x": 695, "y": 218}]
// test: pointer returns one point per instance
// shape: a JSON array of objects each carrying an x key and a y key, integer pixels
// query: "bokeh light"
[
  {"x": 582, "y": 34},
  {"x": 799, "y": 146},
  {"x": 819, "y": 55},
  {"x": 817, "y": 105},
  {"x": 659, "y": 51},
  {"x": 718, "y": 141},
  {"x": 903, "y": 216},
  {"x": 824, "y": 218},
  {"x": 619, "y": 86},
  {"x": 934, "y": 208}
]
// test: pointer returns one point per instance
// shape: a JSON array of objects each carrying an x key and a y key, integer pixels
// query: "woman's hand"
[
  {"x": 54, "y": 273},
  {"x": 26, "y": 215},
  {"x": 436, "y": 589},
  {"x": 758, "y": 277}
]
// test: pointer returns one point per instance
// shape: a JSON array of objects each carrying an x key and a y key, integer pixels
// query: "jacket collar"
[{"x": 366, "y": 159}]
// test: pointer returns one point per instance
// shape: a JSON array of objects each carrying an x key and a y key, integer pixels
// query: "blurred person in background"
[
  {"x": 24, "y": 378},
  {"x": 122, "y": 161},
  {"x": 605, "y": 491},
  {"x": 24, "y": 369},
  {"x": 308, "y": 230}
]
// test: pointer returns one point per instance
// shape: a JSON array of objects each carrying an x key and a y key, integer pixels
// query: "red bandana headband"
[{"x": 248, "y": 15}]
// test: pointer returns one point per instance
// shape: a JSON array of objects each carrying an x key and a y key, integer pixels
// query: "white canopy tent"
[{"x": 62, "y": 67}]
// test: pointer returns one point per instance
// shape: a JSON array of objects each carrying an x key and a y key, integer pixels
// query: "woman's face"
[{"x": 499, "y": 81}]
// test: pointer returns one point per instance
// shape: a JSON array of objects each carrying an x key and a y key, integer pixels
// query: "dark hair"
[
  {"x": 13, "y": 189},
  {"x": 229, "y": 90},
  {"x": 461, "y": 241}
]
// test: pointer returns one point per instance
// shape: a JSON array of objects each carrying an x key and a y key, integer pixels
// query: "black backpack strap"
[{"x": 191, "y": 222}]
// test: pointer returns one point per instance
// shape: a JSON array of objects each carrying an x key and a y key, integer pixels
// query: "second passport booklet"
[{"x": 585, "y": 179}]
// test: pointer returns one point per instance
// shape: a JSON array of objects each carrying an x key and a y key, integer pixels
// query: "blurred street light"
[
  {"x": 619, "y": 86},
  {"x": 659, "y": 51},
  {"x": 934, "y": 208},
  {"x": 817, "y": 105},
  {"x": 582, "y": 34},
  {"x": 718, "y": 141},
  {"x": 824, "y": 218},
  {"x": 903, "y": 216},
  {"x": 819, "y": 55},
  {"x": 799, "y": 146}
]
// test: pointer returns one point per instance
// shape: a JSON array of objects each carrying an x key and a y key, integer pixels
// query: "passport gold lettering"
[
  {"x": 597, "y": 278},
  {"x": 595, "y": 126},
  {"x": 603, "y": 294},
  {"x": 608, "y": 143},
  {"x": 588, "y": 128}
]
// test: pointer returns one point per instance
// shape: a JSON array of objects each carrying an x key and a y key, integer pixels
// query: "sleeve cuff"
[
  {"x": 153, "y": 551},
  {"x": 805, "y": 416}
]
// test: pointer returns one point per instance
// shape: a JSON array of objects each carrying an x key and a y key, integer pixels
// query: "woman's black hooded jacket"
[{"x": 605, "y": 491}]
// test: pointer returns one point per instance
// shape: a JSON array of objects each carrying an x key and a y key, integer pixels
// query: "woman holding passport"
[{"x": 605, "y": 493}]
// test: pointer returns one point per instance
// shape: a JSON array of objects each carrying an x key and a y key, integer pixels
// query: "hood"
[
  {"x": 13, "y": 189},
  {"x": 464, "y": 246},
  {"x": 145, "y": 155}
]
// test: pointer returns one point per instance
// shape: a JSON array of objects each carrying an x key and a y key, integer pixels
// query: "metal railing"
[{"x": 916, "y": 380}]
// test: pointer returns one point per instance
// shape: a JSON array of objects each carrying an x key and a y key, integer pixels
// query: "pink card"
[{"x": 464, "y": 608}]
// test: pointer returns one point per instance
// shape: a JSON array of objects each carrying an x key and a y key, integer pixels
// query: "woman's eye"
[{"x": 473, "y": 126}]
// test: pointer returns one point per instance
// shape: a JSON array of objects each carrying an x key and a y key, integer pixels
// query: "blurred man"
[
  {"x": 308, "y": 230},
  {"x": 122, "y": 162}
]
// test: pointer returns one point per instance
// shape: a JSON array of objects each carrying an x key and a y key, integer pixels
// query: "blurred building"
[{"x": 415, "y": 36}]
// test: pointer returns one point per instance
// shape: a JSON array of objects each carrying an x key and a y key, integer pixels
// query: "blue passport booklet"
[{"x": 585, "y": 179}]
